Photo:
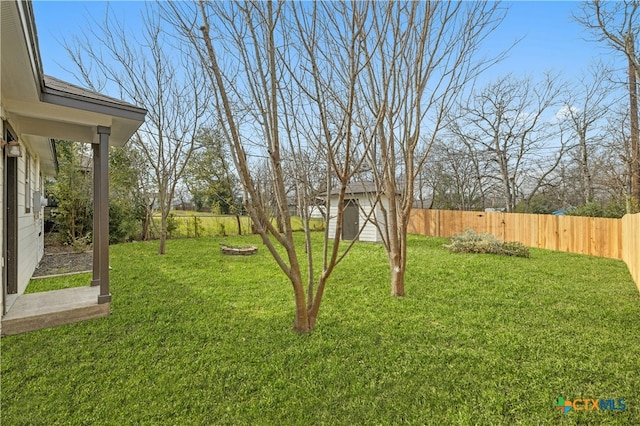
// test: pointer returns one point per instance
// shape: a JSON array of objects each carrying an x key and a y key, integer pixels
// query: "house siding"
[
  {"x": 30, "y": 226},
  {"x": 369, "y": 232},
  {"x": 331, "y": 217},
  {"x": 380, "y": 217}
]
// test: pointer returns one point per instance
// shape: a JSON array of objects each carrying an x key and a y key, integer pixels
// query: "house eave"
[
  {"x": 27, "y": 18},
  {"x": 96, "y": 103}
]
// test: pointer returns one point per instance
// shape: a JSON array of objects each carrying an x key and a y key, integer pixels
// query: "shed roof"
[{"x": 363, "y": 187}]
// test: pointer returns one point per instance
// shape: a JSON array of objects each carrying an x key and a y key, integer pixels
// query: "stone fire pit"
[{"x": 238, "y": 251}]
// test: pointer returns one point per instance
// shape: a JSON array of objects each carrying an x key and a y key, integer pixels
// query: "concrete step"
[{"x": 36, "y": 311}]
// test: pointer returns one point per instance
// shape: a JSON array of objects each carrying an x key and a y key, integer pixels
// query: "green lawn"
[{"x": 198, "y": 338}]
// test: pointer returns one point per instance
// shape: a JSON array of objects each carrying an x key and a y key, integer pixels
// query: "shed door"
[{"x": 350, "y": 224}]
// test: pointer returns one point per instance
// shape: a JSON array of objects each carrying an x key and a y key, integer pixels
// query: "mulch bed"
[{"x": 56, "y": 262}]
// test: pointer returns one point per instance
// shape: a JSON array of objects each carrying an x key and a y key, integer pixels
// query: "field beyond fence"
[
  {"x": 189, "y": 224},
  {"x": 603, "y": 237}
]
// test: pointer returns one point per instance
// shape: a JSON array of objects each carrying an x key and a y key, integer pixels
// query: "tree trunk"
[
  {"x": 508, "y": 187},
  {"x": 239, "y": 224},
  {"x": 633, "y": 113},
  {"x": 397, "y": 279},
  {"x": 146, "y": 222},
  {"x": 586, "y": 175},
  {"x": 398, "y": 255},
  {"x": 301, "y": 323},
  {"x": 145, "y": 230},
  {"x": 163, "y": 234},
  {"x": 280, "y": 223},
  {"x": 395, "y": 228},
  {"x": 72, "y": 226}
]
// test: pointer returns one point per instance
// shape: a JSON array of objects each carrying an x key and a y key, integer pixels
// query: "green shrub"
[
  {"x": 124, "y": 222},
  {"x": 172, "y": 224},
  {"x": 196, "y": 225},
  {"x": 591, "y": 209},
  {"x": 514, "y": 248},
  {"x": 472, "y": 242},
  {"x": 614, "y": 208},
  {"x": 81, "y": 245}
]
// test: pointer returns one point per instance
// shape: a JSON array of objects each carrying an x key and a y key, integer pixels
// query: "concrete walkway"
[{"x": 52, "y": 308}]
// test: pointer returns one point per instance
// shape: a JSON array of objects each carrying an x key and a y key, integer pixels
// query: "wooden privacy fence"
[
  {"x": 612, "y": 238},
  {"x": 630, "y": 245}
]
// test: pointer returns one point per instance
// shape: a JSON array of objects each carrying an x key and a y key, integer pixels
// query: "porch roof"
[{"x": 40, "y": 108}]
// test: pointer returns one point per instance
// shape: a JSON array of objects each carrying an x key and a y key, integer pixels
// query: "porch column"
[
  {"x": 101, "y": 214},
  {"x": 95, "y": 281}
]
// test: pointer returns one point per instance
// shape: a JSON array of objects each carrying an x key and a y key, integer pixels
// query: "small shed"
[{"x": 360, "y": 211}]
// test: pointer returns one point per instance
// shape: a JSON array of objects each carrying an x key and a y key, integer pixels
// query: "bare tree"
[
  {"x": 508, "y": 121},
  {"x": 355, "y": 81},
  {"x": 457, "y": 176},
  {"x": 617, "y": 24},
  {"x": 149, "y": 71},
  {"x": 585, "y": 107},
  {"x": 614, "y": 172},
  {"x": 423, "y": 55},
  {"x": 249, "y": 51}
]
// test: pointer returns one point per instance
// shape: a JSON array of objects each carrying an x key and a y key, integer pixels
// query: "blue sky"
[{"x": 550, "y": 39}]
